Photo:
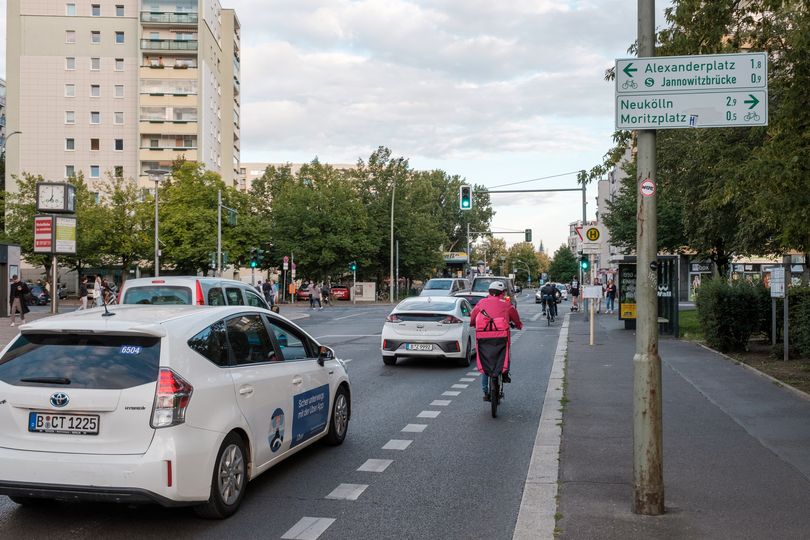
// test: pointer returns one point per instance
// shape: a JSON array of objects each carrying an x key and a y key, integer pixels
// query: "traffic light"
[
  {"x": 528, "y": 235},
  {"x": 353, "y": 266},
  {"x": 465, "y": 197},
  {"x": 584, "y": 263},
  {"x": 254, "y": 261},
  {"x": 259, "y": 256}
]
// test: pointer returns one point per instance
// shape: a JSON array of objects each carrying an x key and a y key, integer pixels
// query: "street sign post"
[{"x": 702, "y": 91}]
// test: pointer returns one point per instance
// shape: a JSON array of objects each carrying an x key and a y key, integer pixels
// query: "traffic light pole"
[{"x": 648, "y": 459}]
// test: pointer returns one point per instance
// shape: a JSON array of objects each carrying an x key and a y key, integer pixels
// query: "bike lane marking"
[
  {"x": 347, "y": 492},
  {"x": 451, "y": 393},
  {"x": 460, "y": 386},
  {"x": 375, "y": 465},
  {"x": 414, "y": 428},
  {"x": 428, "y": 414},
  {"x": 397, "y": 444},
  {"x": 441, "y": 402},
  {"x": 466, "y": 379},
  {"x": 308, "y": 528}
]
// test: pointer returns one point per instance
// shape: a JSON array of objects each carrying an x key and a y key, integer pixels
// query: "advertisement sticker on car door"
[{"x": 310, "y": 414}]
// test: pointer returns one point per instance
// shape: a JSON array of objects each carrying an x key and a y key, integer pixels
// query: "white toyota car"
[
  {"x": 437, "y": 326},
  {"x": 171, "y": 404}
]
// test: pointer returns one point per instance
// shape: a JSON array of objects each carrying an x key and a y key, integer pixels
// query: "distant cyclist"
[
  {"x": 549, "y": 294},
  {"x": 574, "y": 295},
  {"x": 501, "y": 311}
]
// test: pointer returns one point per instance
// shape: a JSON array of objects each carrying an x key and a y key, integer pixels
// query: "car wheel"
[
  {"x": 389, "y": 360},
  {"x": 339, "y": 424},
  {"x": 229, "y": 480},
  {"x": 465, "y": 361},
  {"x": 30, "y": 501}
]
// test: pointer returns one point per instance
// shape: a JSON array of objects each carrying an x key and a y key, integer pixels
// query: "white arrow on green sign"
[{"x": 692, "y": 73}]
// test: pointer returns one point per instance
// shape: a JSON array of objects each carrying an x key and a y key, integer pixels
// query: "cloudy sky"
[{"x": 495, "y": 91}]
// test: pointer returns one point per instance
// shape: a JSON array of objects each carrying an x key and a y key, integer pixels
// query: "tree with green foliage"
[
  {"x": 563, "y": 266},
  {"x": 522, "y": 261}
]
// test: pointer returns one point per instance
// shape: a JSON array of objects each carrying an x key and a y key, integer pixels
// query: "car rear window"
[
  {"x": 471, "y": 298},
  {"x": 427, "y": 306},
  {"x": 482, "y": 284},
  {"x": 158, "y": 294},
  {"x": 438, "y": 284},
  {"x": 81, "y": 361}
]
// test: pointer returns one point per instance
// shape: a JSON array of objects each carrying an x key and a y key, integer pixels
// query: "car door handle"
[
  {"x": 297, "y": 380},
  {"x": 246, "y": 391}
]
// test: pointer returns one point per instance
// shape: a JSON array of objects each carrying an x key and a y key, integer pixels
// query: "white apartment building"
[
  {"x": 2, "y": 115},
  {"x": 249, "y": 172},
  {"x": 121, "y": 87}
]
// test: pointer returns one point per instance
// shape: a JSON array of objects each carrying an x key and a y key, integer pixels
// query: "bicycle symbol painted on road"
[
  {"x": 630, "y": 84},
  {"x": 752, "y": 116}
]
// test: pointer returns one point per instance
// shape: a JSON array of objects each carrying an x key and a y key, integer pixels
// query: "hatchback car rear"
[
  {"x": 146, "y": 404},
  {"x": 429, "y": 326},
  {"x": 190, "y": 290}
]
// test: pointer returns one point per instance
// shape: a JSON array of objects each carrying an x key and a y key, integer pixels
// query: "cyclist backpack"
[{"x": 492, "y": 344}]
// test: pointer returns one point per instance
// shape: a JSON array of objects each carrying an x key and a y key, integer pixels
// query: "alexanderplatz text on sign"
[{"x": 669, "y": 92}]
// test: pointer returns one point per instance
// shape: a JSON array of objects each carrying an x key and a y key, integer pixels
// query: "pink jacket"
[{"x": 497, "y": 307}]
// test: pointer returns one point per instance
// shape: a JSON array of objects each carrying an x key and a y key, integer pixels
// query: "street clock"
[{"x": 56, "y": 197}]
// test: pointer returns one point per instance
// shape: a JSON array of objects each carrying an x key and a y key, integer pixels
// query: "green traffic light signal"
[
  {"x": 353, "y": 266},
  {"x": 465, "y": 197},
  {"x": 584, "y": 263}
]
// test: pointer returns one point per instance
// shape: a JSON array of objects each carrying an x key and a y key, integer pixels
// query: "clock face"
[{"x": 51, "y": 197}]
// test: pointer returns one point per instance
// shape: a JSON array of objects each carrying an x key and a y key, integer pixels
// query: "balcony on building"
[
  {"x": 170, "y": 61},
  {"x": 173, "y": 45},
  {"x": 169, "y": 18}
]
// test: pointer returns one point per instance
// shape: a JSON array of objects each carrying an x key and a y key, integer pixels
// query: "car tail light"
[
  {"x": 172, "y": 396},
  {"x": 450, "y": 319},
  {"x": 393, "y": 318},
  {"x": 200, "y": 297},
  {"x": 158, "y": 281}
]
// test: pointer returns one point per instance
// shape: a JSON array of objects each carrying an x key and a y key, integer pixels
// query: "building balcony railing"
[
  {"x": 169, "y": 44},
  {"x": 169, "y": 148},
  {"x": 169, "y": 18}
]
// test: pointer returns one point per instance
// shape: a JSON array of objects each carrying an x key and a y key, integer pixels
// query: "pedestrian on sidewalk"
[
  {"x": 98, "y": 291},
  {"x": 267, "y": 291},
  {"x": 314, "y": 295},
  {"x": 610, "y": 295},
  {"x": 325, "y": 294},
  {"x": 598, "y": 300},
  {"x": 83, "y": 294},
  {"x": 16, "y": 297}
]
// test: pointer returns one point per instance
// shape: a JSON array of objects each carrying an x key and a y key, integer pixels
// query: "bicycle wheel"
[{"x": 494, "y": 394}]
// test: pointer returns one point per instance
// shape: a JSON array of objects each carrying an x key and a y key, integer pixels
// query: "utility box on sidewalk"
[
  {"x": 9, "y": 266},
  {"x": 667, "y": 271}
]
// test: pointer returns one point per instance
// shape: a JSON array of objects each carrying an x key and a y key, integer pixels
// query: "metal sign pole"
[{"x": 54, "y": 290}]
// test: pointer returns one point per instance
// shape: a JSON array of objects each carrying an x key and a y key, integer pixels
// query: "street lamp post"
[
  {"x": 156, "y": 175},
  {"x": 391, "y": 276}
]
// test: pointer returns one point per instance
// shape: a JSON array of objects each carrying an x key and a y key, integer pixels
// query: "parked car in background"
[
  {"x": 433, "y": 326},
  {"x": 341, "y": 292},
  {"x": 192, "y": 290},
  {"x": 37, "y": 295},
  {"x": 563, "y": 291},
  {"x": 302, "y": 294},
  {"x": 444, "y": 286},
  {"x": 471, "y": 297},
  {"x": 481, "y": 283}
]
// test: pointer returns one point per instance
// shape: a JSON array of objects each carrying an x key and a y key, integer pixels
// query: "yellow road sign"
[{"x": 592, "y": 234}]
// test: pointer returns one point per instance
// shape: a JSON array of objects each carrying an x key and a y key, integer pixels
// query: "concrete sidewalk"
[{"x": 736, "y": 445}]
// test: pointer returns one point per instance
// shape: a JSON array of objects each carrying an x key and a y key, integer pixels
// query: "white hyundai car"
[
  {"x": 171, "y": 404},
  {"x": 435, "y": 326}
]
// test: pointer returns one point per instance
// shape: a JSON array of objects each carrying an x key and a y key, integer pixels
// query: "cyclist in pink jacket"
[{"x": 495, "y": 307}]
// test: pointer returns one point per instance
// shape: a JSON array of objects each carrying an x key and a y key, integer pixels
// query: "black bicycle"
[
  {"x": 495, "y": 393},
  {"x": 549, "y": 306}
]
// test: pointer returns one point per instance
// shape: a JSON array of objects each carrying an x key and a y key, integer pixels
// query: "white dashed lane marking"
[
  {"x": 440, "y": 403},
  {"x": 428, "y": 414},
  {"x": 472, "y": 374},
  {"x": 466, "y": 379},
  {"x": 414, "y": 428},
  {"x": 460, "y": 386},
  {"x": 375, "y": 465},
  {"x": 347, "y": 492},
  {"x": 451, "y": 393},
  {"x": 308, "y": 528},
  {"x": 397, "y": 444}
]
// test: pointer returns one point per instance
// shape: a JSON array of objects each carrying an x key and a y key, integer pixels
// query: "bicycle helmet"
[{"x": 496, "y": 287}]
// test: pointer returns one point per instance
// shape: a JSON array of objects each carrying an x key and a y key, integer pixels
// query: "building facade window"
[
  {"x": 70, "y": 36},
  {"x": 119, "y": 11},
  {"x": 119, "y": 37},
  {"x": 70, "y": 10},
  {"x": 70, "y": 90},
  {"x": 95, "y": 10},
  {"x": 70, "y": 117},
  {"x": 70, "y": 63},
  {"x": 119, "y": 171},
  {"x": 95, "y": 171},
  {"x": 95, "y": 144},
  {"x": 119, "y": 64},
  {"x": 95, "y": 64},
  {"x": 119, "y": 90},
  {"x": 119, "y": 145},
  {"x": 70, "y": 144},
  {"x": 70, "y": 171},
  {"x": 95, "y": 90},
  {"x": 95, "y": 36},
  {"x": 95, "y": 117},
  {"x": 119, "y": 118}
]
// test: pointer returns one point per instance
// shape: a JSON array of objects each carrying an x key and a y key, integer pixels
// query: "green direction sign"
[
  {"x": 692, "y": 73},
  {"x": 692, "y": 110}
]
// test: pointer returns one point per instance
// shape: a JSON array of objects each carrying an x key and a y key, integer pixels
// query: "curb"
[
  {"x": 538, "y": 507},
  {"x": 774, "y": 380}
]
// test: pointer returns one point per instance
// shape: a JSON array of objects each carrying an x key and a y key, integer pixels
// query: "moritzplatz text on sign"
[{"x": 669, "y": 92}]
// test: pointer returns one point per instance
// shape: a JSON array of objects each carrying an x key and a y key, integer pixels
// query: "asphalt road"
[{"x": 460, "y": 474}]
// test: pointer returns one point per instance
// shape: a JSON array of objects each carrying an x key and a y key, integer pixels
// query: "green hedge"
[
  {"x": 729, "y": 313},
  {"x": 799, "y": 323}
]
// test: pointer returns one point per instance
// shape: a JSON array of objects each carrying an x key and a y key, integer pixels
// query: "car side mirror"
[{"x": 324, "y": 354}]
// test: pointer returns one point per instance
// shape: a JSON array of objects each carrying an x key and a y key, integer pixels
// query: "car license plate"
[
  {"x": 70, "y": 424},
  {"x": 419, "y": 347}
]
